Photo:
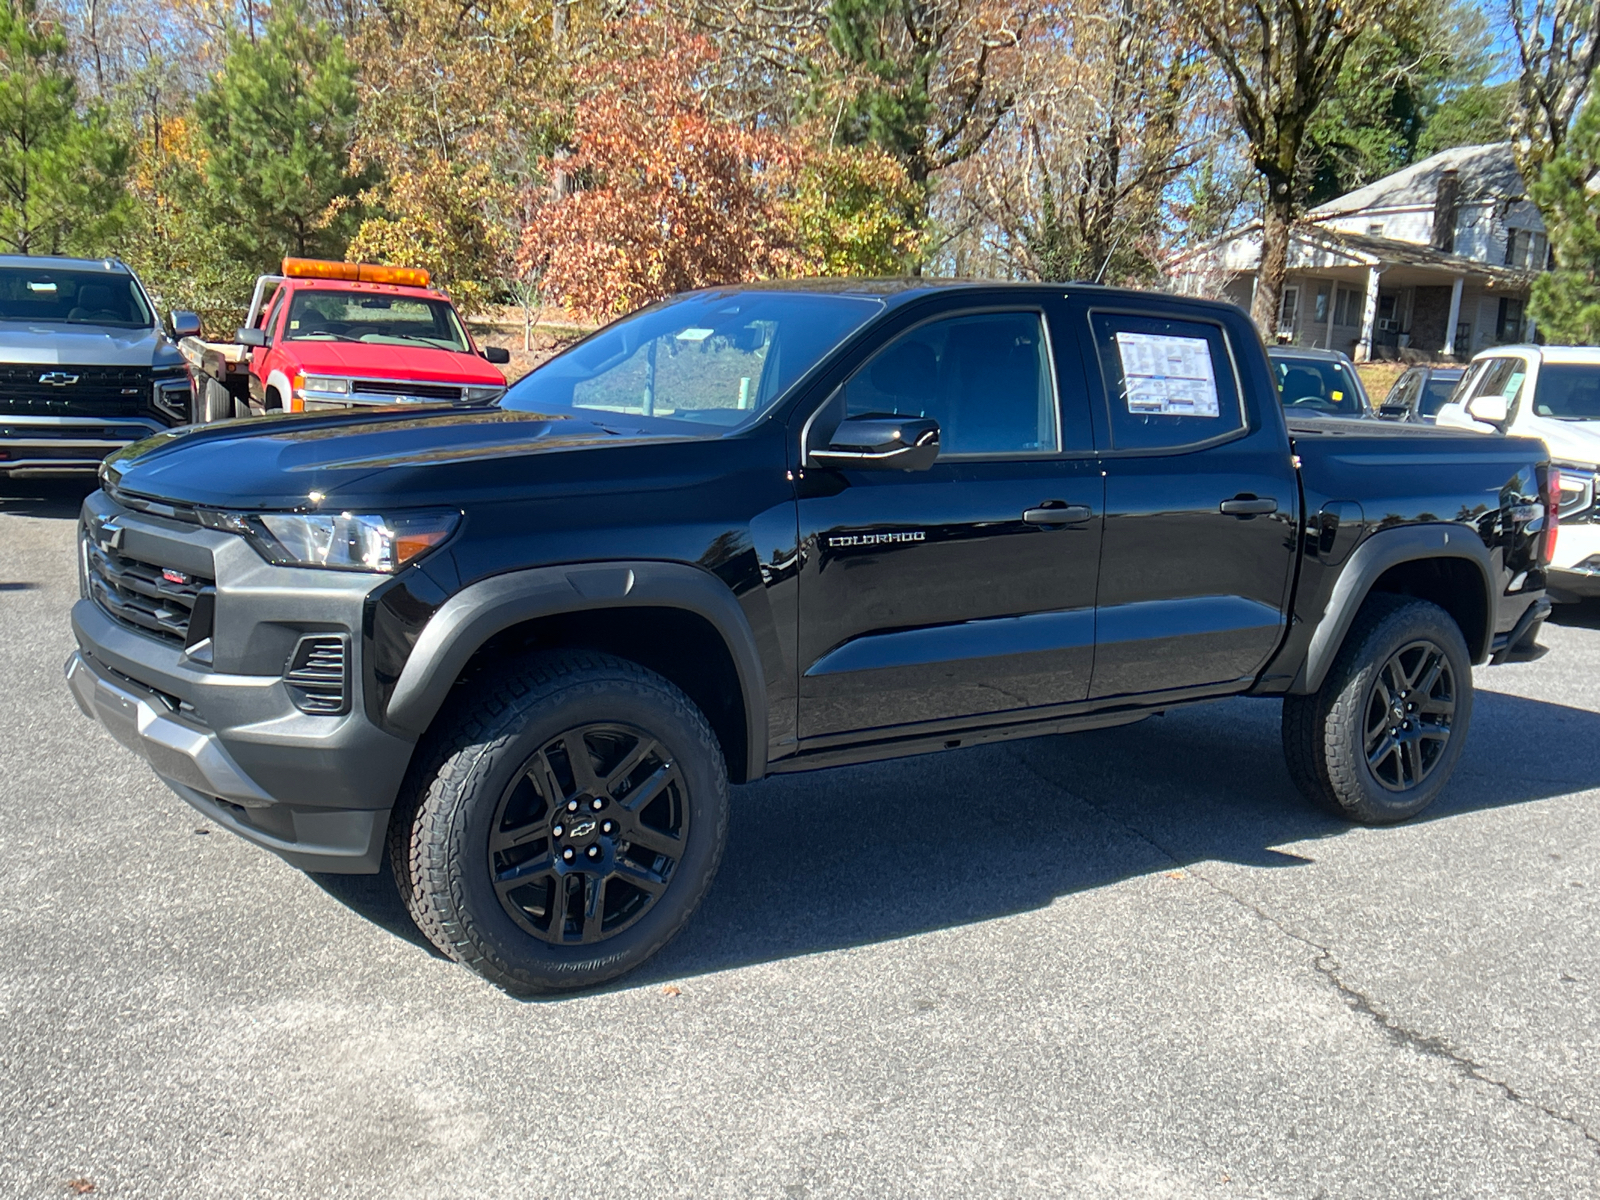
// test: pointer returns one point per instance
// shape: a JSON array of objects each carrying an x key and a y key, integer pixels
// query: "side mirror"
[
  {"x": 185, "y": 324},
  {"x": 498, "y": 355},
  {"x": 251, "y": 337},
  {"x": 1491, "y": 410},
  {"x": 882, "y": 443}
]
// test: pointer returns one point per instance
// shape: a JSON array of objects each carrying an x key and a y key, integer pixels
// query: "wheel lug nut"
[
  {"x": 572, "y": 806},
  {"x": 597, "y": 804},
  {"x": 567, "y": 854},
  {"x": 608, "y": 827},
  {"x": 558, "y": 830},
  {"x": 594, "y": 851}
]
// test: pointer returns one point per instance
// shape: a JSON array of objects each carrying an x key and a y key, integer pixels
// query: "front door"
[
  {"x": 1201, "y": 509},
  {"x": 967, "y": 589}
]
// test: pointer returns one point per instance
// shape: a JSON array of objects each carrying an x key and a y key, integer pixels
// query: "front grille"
[
  {"x": 152, "y": 599},
  {"x": 318, "y": 675},
  {"x": 97, "y": 392},
  {"x": 399, "y": 387}
]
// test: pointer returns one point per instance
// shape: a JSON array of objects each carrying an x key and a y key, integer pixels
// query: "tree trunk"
[{"x": 1277, "y": 218}]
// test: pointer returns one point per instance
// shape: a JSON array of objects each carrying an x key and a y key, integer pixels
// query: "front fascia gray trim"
[
  {"x": 475, "y": 614},
  {"x": 1384, "y": 549}
]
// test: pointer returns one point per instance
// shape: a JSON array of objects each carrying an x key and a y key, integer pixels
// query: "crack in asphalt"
[{"x": 1327, "y": 965}]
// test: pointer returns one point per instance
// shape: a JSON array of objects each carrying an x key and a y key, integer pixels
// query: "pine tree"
[
  {"x": 1566, "y": 301},
  {"x": 61, "y": 169},
  {"x": 276, "y": 127}
]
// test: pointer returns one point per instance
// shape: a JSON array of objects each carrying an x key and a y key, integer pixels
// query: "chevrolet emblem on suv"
[{"x": 57, "y": 378}]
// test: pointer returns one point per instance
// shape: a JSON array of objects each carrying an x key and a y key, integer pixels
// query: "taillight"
[{"x": 1552, "y": 512}]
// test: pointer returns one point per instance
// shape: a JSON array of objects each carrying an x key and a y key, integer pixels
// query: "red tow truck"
[{"x": 336, "y": 335}]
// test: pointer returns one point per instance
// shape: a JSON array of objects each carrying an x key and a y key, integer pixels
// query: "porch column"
[
  {"x": 1369, "y": 314},
  {"x": 1454, "y": 318},
  {"x": 1333, "y": 303}
]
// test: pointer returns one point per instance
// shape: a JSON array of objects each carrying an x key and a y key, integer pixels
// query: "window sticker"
[{"x": 1168, "y": 376}]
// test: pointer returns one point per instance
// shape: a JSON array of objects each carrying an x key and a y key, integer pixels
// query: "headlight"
[
  {"x": 482, "y": 395},
  {"x": 342, "y": 541},
  {"x": 321, "y": 383},
  {"x": 175, "y": 394}
]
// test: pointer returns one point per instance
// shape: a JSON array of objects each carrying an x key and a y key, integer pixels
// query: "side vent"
[{"x": 319, "y": 675}]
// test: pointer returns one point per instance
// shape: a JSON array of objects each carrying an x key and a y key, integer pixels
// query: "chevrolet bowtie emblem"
[{"x": 57, "y": 378}]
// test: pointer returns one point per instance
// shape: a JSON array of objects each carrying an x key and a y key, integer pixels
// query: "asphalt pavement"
[{"x": 1125, "y": 963}]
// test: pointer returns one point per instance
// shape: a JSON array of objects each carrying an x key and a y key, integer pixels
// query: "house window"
[
  {"x": 1508, "y": 324},
  {"x": 1518, "y": 243},
  {"x": 1349, "y": 308},
  {"x": 1287, "y": 310},
  {"x": 1375, "y": 229},
  {"x": 1322, "y": 303}
]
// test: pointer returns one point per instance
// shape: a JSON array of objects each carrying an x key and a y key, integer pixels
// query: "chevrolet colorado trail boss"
[
  {"x": 526, "y": 647},
  {"x": 85, "y": 365}
]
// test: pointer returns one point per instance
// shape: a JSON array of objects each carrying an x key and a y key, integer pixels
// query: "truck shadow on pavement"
[
  {"x": 46, "y": 496},
  {"x": 860, "y": 855}
]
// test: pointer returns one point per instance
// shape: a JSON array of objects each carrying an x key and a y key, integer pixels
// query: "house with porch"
[{"x": 1435, "y": 261}]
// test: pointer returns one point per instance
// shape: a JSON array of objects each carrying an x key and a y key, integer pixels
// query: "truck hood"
[
  {"x": 58, "y": 344},
  {"x": 411, "y": 456},
  {"x": 1568, "y": 441},
  {"x": 381, "y": 361}
]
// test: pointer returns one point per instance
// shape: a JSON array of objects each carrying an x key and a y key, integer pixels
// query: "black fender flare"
[
  {"x": 476, "y": 613},
  {"x": 1382, "y": 550}
]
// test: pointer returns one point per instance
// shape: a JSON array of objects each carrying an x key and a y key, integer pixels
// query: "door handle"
[
  {"x": 1249, "y": 506},
  {"x": 1057, "y": 513}
]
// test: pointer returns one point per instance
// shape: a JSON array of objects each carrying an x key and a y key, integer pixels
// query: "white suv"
[{"x": 1551, "y": 393}]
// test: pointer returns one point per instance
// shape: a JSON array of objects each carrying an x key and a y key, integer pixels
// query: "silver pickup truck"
[{"x": 86, "y": 366}]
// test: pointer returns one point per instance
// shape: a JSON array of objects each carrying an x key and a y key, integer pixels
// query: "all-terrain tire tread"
[{"x": 481, "y": 729}]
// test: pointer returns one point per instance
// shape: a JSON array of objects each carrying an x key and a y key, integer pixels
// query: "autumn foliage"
[{"x": 671, "y": 196}]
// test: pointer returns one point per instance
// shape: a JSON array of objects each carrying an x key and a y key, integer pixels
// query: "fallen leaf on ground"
[
  {"x": 81, "y": 1186},
  {"x": 672, "y": 989}
]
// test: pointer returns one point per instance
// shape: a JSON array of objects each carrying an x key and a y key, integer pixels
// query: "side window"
[
  {"x": 274, "y": 311},
  {"x": 1405, "y": 391},
  {"x": 1502, "y": 377},
  {"x": 986, "y": 378},
  {"x": 1170, "y": 383}
]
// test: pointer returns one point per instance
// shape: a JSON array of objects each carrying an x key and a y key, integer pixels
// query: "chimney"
[{"x": 1446, "y": 206}]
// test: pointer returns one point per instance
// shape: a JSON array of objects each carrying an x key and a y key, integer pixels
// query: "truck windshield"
[
  {"x": 1313, "y": 386},
  {"x": 73, "y": 298},
  {"x": 1568, "y": 391},
  {"x": 324, "y": 315},
  {"x": 715, "y": 360}
]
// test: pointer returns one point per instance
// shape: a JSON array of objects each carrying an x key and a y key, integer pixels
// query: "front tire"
[
  {"x": 567, "y": 824},
  {"x": 1378, "y": 741}
]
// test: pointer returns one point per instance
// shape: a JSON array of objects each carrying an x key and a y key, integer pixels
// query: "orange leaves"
[{"x": 671, "y": 196}]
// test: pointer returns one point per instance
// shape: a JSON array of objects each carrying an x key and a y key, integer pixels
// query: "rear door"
[
  {"x": 1202, "y": 502},
  {"x": 968, "y": 589}
]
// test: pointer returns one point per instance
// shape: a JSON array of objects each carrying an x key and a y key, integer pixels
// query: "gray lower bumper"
[
  {"x": 192, "y": 761},
  {"x": 37, "y": 445}
]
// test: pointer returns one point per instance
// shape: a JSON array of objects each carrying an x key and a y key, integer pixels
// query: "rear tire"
[
  {"x": 1378, "y": 741},
  {"x": 564, "y": 824}
]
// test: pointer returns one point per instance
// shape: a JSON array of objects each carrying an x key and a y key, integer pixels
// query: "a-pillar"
[
  {"x": 1454, "y": 317},
  {"x": 1369, "y": 314}
]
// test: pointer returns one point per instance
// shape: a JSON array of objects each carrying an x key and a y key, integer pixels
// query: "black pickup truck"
[{"x": 527, "y": 647}]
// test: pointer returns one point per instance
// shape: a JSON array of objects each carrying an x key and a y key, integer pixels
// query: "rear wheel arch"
[
  {"x": 676, "y": 620},
  {"x": 1447, "y": 565}
]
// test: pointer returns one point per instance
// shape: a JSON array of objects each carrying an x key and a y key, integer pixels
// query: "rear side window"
[
  {"x": 1568, "y": 391},
  {"x": 1401, "y": 394},
  {"x": 1436, "y": 395},
  {"x": 1312, "y": 387},
  {"x": 1170, "y": 383}
]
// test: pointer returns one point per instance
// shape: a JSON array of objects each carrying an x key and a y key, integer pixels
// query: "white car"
[{"x": 1551, "y": 393}]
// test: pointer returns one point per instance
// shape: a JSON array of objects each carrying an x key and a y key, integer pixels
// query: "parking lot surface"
[{"x": 1125, "y": 963}]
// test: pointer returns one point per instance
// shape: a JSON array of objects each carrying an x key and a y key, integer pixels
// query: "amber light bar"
[{"x": 319, "y": 268}]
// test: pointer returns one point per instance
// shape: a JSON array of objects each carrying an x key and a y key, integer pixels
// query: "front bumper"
[
  {"x": 227, "y": 734},
  {"x": 35, "y": 445}
]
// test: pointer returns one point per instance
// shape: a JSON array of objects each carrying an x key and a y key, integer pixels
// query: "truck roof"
[
  {"x": 44, "y": 262},
  {"x": 351, "y": 285}
]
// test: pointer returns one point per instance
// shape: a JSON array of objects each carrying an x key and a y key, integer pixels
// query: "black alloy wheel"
[
  {"x": 588, "y": 836},
  {"x": 1408, "y": 716},
  {"x": 1377, "y": 742},
  {"x": 563, "y": 821}
]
